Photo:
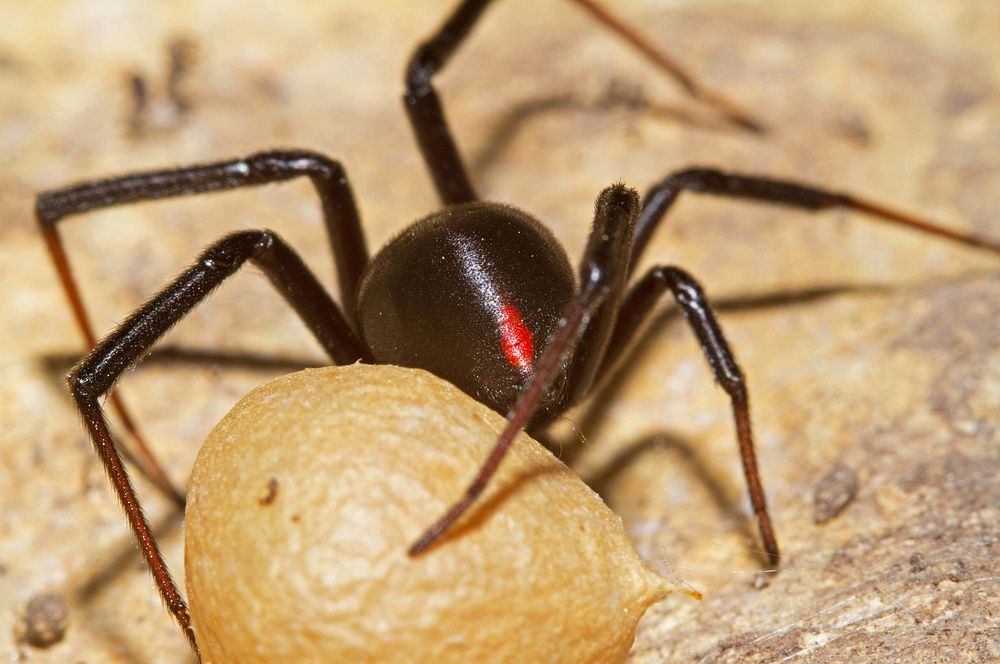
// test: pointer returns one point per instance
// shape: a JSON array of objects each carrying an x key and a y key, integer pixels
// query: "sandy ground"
[{"x": 895, "y": 374}]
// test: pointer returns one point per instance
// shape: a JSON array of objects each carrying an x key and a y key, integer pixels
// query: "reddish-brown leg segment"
[
  {"x": 97, "y": 373},
  {"x": 697, "y": 311},
  {"x": 602, "y": 273},
  {"x": 662, "y": 196}
]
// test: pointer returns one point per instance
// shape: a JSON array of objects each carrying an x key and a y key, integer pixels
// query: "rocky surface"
[{"x": 892, "y": 370}]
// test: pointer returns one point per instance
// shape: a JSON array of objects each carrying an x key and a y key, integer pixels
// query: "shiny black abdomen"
[{"x": 438, "y": 297}]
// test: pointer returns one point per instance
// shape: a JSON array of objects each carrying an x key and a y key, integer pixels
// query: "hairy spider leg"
[
  {"x": 97, "y": 373},
  {"x": 339, "y": 212},
  {"x": 663, "y": 194},
  {"x": 729, "y": 109},
  {"x": 697, "y": 311},
  {"x": 645, "y": 293},
  {"x": 423, "y": 106}
]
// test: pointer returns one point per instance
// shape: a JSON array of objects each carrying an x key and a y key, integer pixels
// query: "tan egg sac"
[{"x": 305, "y": 498}]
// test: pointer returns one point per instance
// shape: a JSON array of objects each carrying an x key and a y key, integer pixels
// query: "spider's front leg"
[
  {"x": 591, "y": 327},
  {"x": 615, "y": 320},
  {"x": 96, "y": 374},
  {"x": 577, "y": 346},
  {"x": 339, "y": 211}
]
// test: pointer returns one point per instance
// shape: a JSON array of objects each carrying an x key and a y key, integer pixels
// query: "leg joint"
[
  {"x": 690, "y": 179},
  {"x": 284, "y": 164},
  {"x": 420, "y": 70},
  {"x": 47, "y": 209},
  {"x": 79, "y": 387},
  {"x": 226, "y": 255}
]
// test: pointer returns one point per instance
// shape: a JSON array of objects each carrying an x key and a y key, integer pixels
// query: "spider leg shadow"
[
  {"x": 482, "y": 510},
  {"x": 595, "y": 411},
  {"x": 715, "y": 484},
  {"x": 57, "y": 364},
  {"x": 122, "y": 558},
  {"x": 596, "y": 408},
  {"x": 617, "y": 96}
]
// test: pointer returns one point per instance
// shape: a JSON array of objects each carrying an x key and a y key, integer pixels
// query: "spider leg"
[
  {"x": 697, "y": 311},
  {"x": 730, "y": 110},
  {"x": 695, "y": 307},
  {"x": 343, "y": 223},
  {"x": 423, "y": 106},
  {"x": 602, "y": 275},
  {"x": 781, "y": 192},
  {"x": 339, "y": 211},
  {"x": 96, "y": 374}
]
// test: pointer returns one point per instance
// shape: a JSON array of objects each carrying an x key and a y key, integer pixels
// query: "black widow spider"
[{"x": 478, "y": 293}]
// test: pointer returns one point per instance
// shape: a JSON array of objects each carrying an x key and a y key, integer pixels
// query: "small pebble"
[
  {"x": 834, "y": 492},
  {"x": 959, "y": 572},
  {"x": 45, "y": 620}
]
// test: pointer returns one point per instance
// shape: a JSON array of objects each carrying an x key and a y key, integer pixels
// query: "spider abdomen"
[{"x": 435, "y": 297}]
